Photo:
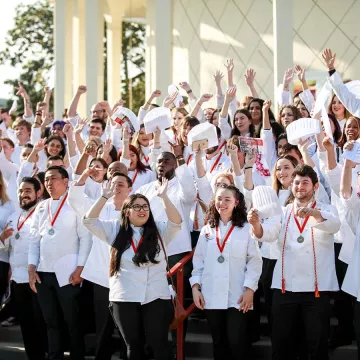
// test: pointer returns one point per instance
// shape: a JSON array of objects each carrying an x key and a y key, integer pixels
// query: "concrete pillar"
[
  {"x": 283, "y": 39},
  {"x": 94, "y": 32},
  {"x": 114, "y": 46},
  {"x": 159, "y": 45},
  {"x": 63, "y": 15}
]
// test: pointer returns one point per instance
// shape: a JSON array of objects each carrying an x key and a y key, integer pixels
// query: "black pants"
[
  {"x": 33, "y": 328},
  {"x": 314, "y": 313},
  {"x": 153, "y": 319},
  {"x": 343, "y": 305},
  {"x": 4, "y": 274},
  {"x": 357, "y": 325},
  {"x": 228, "y": 331},
  {"x": 52, "y": 299}
]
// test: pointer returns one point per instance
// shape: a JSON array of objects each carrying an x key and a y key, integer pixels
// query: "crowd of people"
[{"x": 100, "y": 203}]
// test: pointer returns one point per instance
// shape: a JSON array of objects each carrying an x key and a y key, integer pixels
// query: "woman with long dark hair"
[
  {"x": 139, "y": 292},
  {"x": 227, "y": 268}
]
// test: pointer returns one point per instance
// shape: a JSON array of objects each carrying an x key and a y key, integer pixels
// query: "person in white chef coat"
[
  {"x": 96, "y": 269},
  {"x": 139, "y": 292},
  {"x": 349, "y": 195},
  {"x": 58, "y": 249},
  {"x": 227, "y": 267},
  {"x": 305, "y": 271},
  {"x": 15, "y": 237}
]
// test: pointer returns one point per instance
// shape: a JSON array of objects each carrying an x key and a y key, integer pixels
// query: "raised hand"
[
  {"x": 176, "y": 148},
  {"x": 40, "y": 145},
  {"x": 40, "y": 106},
  {"x": 288, "y": 76},
  {"x": 162, "y": 189},
  {"x": 303, "y": 145},
  {"x": 329, "y": 59},
  {"x": 267, "y": 105},
  {"x": 107, "y": 189},
  {"x": 218, "y": 76},
  {"x": 229, "y": 65},
  {"x": 185, "y": 85},
  {"x": 250, "y": 77},
  {"x": 20, "y": 90},
  {"x": 232, "y": 149},
  {"x": 300, "y": 73},
  {"x": 169, "y": 100},
  {"x": 126, "y": 132},
  {"x": 80, "y": 126},
  {"x": 205, "y": 98},
  {"x": 7, "y": 232},
  {"x": 230, "y": 94},
  {"x": 349, "y": 145},
  {"x": 156, "y": 93},
  {"x": 250, "y": 159},
  {"x": 81, "y": 89},
  {"x": 47, "y": 90},
  {"x": 107, "y": 146},
  {"x": 253, "y": 217},
  {"x": 68, "y": 129},
  {"x": 328, "y": 145}
]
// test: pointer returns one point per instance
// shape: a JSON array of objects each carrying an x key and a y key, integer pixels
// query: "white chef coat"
[
  {"x": 351, "y": 283},
  {"x": 144, "y": 283},
  {"x": 5, "y": 211},
  {"x": 70, "y": 237},
  {"x": 299, "y": 257},
  {"x": 19, "y": 248},
  {"x": 142, "y": 178},
  {"x": 222, "y": 284},
  {"x": 182, "y": 193}
]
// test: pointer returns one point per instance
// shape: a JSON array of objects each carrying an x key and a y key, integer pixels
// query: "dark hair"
[
  {"x": 337, "y": 133},
  {"x": 346, "y": 112},
  {"x": 294, "y": 109},
  {"x": 4, "y": 111},
  {"x": 306, "y": 170},
  {"x": 61, "y": 141},
  {"x": 28, "y": 146},
  {"x": 140, "y": 167},
  {"x": 149, "y": 247},
  {"x": 64, "y": 174},
  {"x": 277, "y": 129},
  {"x": 218, "y": 132},
  {"x": 155, "y": 105},
  {"x": 99, "y": 121},
  {"x": 41, "y": 176},
  {"x": 9, "y": 141},
  {"x": 343, "y": 139},
  {"x": 276, "y": 185},
  {"x": 286, "y": 149},
  {"x": 128, "y": 180},
  {"x": 213, "y": 114},
  {"x": 239, "y": 215},
  {"x": 271, "y": 114},
  {"x": 53, "y": 158},
  {"x": 235, "y": 130},
  {"x": 33, "y": 181},
  {"x": 113, "y": 153},
  {"x": 102, "y": 162},
  {"x": 282, "y": 136}
]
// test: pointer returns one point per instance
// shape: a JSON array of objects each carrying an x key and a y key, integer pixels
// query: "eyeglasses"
[{"x": 138, "y": 207}]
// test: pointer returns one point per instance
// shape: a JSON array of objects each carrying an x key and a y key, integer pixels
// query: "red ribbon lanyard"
[
  {"x": 215, "y": 163},
  {"x": 301, "y": 228},
  {"x": 189, "y": 159},
  {"x": 146, "y": 159},
  {"x": 52, "y": 221},
  {"x": 222, "y": 145},
  {"x": 136, "y": 248},
  {"x": 221, "y": 247},
  {"x": 135, "y": 176},
  {"x": 19, "y": 226}
]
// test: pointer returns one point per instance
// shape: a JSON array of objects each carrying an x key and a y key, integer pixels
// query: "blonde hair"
[{"x": 3, "y": 195}]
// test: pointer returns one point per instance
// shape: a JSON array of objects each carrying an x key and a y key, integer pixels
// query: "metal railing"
[{"x": 178, "y": 271}]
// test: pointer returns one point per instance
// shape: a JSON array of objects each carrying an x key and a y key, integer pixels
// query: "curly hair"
[
  {"x": 149, "y": 247},
  {"x": 295, "y": 111},
  {"x": 239, "y": 214}
]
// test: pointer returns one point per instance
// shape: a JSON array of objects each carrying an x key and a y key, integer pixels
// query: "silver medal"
[
  {"x": 51, "y": 231},
  {"x": 300, "y": 239},
  {"x": 220, "y": 259},
  {"x": 17, "y": 236}
]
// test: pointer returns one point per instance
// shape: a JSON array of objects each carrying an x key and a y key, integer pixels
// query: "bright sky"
[{"x": 7, "y": 22}]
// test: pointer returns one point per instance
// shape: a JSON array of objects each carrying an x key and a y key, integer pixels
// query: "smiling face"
[
  {"x": 143, "y": 139},
  {"x": 225, "y": 203},
  {"x": 177, "y": 117},
  {"x": 55, "y": 184},
  {"x": 287, "y": 117},
  {"x": 121, "y": 187},
  {"x": 284, "y": 171},
  {"x": 139, "y": 212},
  {"x": 242, "y": 123},
  {"x": 255, "y": 111},
  {"x": 338, "y": 108},
  {"x": 95, "y": 129},
  {"x": 352, "y": 129},
  {"x": 303, "y": 110},
  {"x": 54, "y": 147},
  {"x": 303, "y": 188},
  {"x": 27, "y": 196},
  {"x": 281, "y": 144},
  {"x": 57, "y": 130},
  {"x": 22, "y": 134},
  {"x": 184, "y": 131}
]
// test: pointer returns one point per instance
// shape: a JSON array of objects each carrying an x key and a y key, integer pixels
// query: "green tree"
[{"x": 30, "y": 46}]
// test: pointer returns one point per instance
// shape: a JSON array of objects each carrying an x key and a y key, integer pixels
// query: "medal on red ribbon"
[
  {"x": 53, "y": 220},
  {"x": 221, "y": 247},
  {"x": 20, "y": 225}
]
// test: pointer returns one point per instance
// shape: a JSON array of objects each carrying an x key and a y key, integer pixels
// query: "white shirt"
[
  {"x": 132, "y": 283},
  {"x": 19, "y": 248},
  {"x": 182, "y": 193},
  {"x": 141, "y": 178},
  {"x": 351, "y": 283},
  {"x": 69, "y": 237},
  {"x": 5, "y": 211},
  {"x": 299, "y": 257},
  {"x": 222, "y": 284}
]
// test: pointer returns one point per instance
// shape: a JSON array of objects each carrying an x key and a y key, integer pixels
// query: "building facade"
[{"x": 188, "y": 40}]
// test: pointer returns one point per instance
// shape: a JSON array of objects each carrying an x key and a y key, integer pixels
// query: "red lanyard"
[
  {"x": 22, "y": 224},
  {"x": 189, "y": 159},
  {"x": 136, "y": 248},
  {"x": 222, "y": 145},
  {"x": 146, "y": 159},
  {"x": 221, "y": 247},
  {"x": 301, "y": 228},
  {"x": 135, "y": 176},
  {"x": 52, "y": 221},
  {"x": 215, "y": 163}
]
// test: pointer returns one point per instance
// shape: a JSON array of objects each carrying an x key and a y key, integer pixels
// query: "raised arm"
[
  {"x": 249, "y": 79},
  {"x": 186, "y": 86},
  {"x": 200, "y": 168},
  {"x": 70, "y": 143},
  {"x": 81, "y": 165},
  {"x": 230, "y": 69},
  {"x": 304, "y": 149},
  {"x": 28, "y": 113},
  {"x": 250, "y": 160},
  {"x": 78, "y": 130},
  {"x": 233, "y": 151},
  {"x": 197, "y": 107},
  {"x": 346, "y": 179},
  {"x": 331, "y": 157},
  {"x": 75, "y": 101}
]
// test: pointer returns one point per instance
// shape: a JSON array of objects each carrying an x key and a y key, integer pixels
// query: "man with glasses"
[{"x": 58, "y": 249}]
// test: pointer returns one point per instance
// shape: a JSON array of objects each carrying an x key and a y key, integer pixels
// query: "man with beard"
[
  {"x": 305, "y": 272},
  {"x": 57, "y": 237},
  {"x": 96, "y": 269},
  {"x": 215, "y": 161},
  {"x": 15, "y": 237}
]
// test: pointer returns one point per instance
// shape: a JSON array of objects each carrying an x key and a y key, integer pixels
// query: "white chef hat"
[
  {"x": 159, "y": 117},
  {"x": 266, "y": 201},
  {"x": 302, "y": 129}
]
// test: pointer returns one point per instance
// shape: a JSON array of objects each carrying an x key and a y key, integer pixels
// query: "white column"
[
  {"x": 283, "y": 39},
  {"x": 114, "y": 46},
  {"x": 94, "y": 31},
  {"x": 159, "y": 45},
  {"x": 63, "y": 56}
]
